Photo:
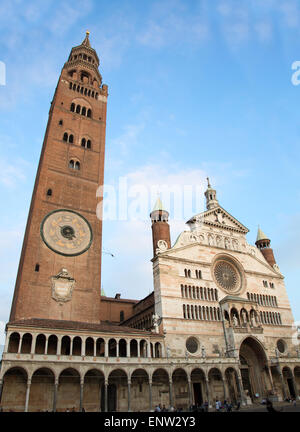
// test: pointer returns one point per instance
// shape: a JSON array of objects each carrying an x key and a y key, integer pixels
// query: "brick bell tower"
[
  {"x": 263, "y": 243},
  {"x": 160, "y": 228},
  {"x": 59, "y": 275}
]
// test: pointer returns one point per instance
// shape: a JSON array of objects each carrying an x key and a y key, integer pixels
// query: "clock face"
[{"x": 66, "y": 232}]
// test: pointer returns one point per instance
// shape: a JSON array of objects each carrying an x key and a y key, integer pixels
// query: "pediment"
[{"x": 217, "y": 217}]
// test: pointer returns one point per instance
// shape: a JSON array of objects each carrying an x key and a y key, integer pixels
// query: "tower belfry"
[
  {"x": 59, "y": 274},
  {"x": 211, "y": 197}
]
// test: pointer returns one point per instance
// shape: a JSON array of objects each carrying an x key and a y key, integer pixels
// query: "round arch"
[
  {"x": 14, "y": 389},
  {"x": 254, "y": 369},
  {"x": 42, "y": 390},
  {"x": 93, "y": 382},
  {"x": 68, "y": 394}
]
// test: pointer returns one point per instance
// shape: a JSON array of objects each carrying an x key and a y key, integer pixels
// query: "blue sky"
[{"x": 196, "y": 88}]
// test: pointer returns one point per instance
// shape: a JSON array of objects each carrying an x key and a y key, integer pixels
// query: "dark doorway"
[
  {"x": 291, "y": 387},
  {"x": 111, "y": 398},
  {"x": 198, "y": 394}
]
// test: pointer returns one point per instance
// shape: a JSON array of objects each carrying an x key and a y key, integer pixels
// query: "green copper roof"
[
  {"x": 158, "y": 205},
  {"x": 261, "y": 235}
]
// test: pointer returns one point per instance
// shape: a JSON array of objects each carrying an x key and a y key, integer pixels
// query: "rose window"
[{"x": 227, "y": 276}]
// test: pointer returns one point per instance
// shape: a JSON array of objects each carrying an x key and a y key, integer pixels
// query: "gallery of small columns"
[{"x": 84, "y": 346}]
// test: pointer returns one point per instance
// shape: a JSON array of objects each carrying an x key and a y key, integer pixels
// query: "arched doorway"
[
  {"x": 180, "y": 389},
  {"x": 289, "y": 382},
  {"x": 14, "y": 390},
  {"x": 42, "y": 390},
  {"x": 68, "y": 395},
  {"x": 93, "y": 382},
  {"x": 254, "y": 369},
  {"x": 216, "y": 384},
  {"x": 199, "y": 387},
  {"x": 117, "y": 392},
  {"x": 140, "y": 400},
  {"x": 160, "y": 388}
]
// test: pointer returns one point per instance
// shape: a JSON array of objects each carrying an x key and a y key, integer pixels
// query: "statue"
[
  {"x": 277, "y": 352},
  {"x": 186, "y": 355},
  {"x": 155, "y": 319},
  {"x": 298, "y": 352},
  {"x": 244, "y": 315},
  {"x": 203, "y": 351},
  {"x": 235, "y": 320}
]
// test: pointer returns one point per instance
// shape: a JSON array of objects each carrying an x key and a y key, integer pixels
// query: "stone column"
[
  {"x": 282, "y": 382},
  {"x": 105, "y": 348},
  {"x": 241, "y": 388},
  {"x": 46, "y": 345},
  {"x": 208, "y": 392},
  {"x": 58, "y": 348},
  {"x": 295, "y": 386},
  {"x": 270, "y": 377},
  {"x": 81, "y": 395},
  {"x": 55, "y": 396},
  {"x": 105, "y": 396},
  {"x": 138, "y": 348},
  {"x": 6, "y": 343},
  {"x": 148, "y": 349},
  {"x": 117, "y": 348},
  {"x": 27, "y": 395},
  {"x": 83, "y": 347},
  {"x": 190, "y": 392},
  {"x": 171, "y": 392},
  {"x": 20, "y": 344},
  {"x": 226, "y": 391},
  {"x": 127, "y": 348},
  {"x": 33, "y": 344},
  {"x": 129, "y": 395},
  {"x": 150, "y": 395},
  {"x": 71, "y": 347}
]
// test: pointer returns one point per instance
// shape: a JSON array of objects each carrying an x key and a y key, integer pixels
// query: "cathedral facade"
[{"x": 218, "y": 324}]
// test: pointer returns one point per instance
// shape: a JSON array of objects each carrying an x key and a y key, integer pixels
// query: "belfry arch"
[{"x": 254, "y": 369}]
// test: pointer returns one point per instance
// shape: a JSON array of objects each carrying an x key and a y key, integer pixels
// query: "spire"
[
  {"x": 211, "y": 197},
  {"x": 158, "y": 205},
  {"x": 261, "y": 235},
  {"x": 86, "y": 41}
]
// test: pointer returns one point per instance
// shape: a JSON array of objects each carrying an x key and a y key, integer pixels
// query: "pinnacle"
[
  {"x": 261, "y": 235},
  {"x": 86, "y": 41}
]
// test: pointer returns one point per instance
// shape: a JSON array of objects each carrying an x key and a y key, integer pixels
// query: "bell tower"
[
  {"x": 59, "y": 275},
  {"x": 160, "y": 226}
]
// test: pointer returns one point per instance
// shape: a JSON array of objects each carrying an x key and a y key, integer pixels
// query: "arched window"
[
  {"x": 184, "y": 313},
  {"x": 88, "y": 144},
  {"x": 71, "y": 139},
  {"x": 78, "y": 108},
  {"x": 72, "y": 107},
  {"x": 37, "y": 268},
  {"x": 77, "y": 166},
  {"x": 89, "y": 113},
  {"x": 83, "y": 142},
  {"x": 71, "y": 164},
  {"x": 65, "y": 137},
  {"x": 83, "y": 111},
  {"x": 49, "y": 192}
]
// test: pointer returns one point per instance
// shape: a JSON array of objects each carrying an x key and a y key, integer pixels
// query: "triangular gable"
[{"x": 218, "y": 217}]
